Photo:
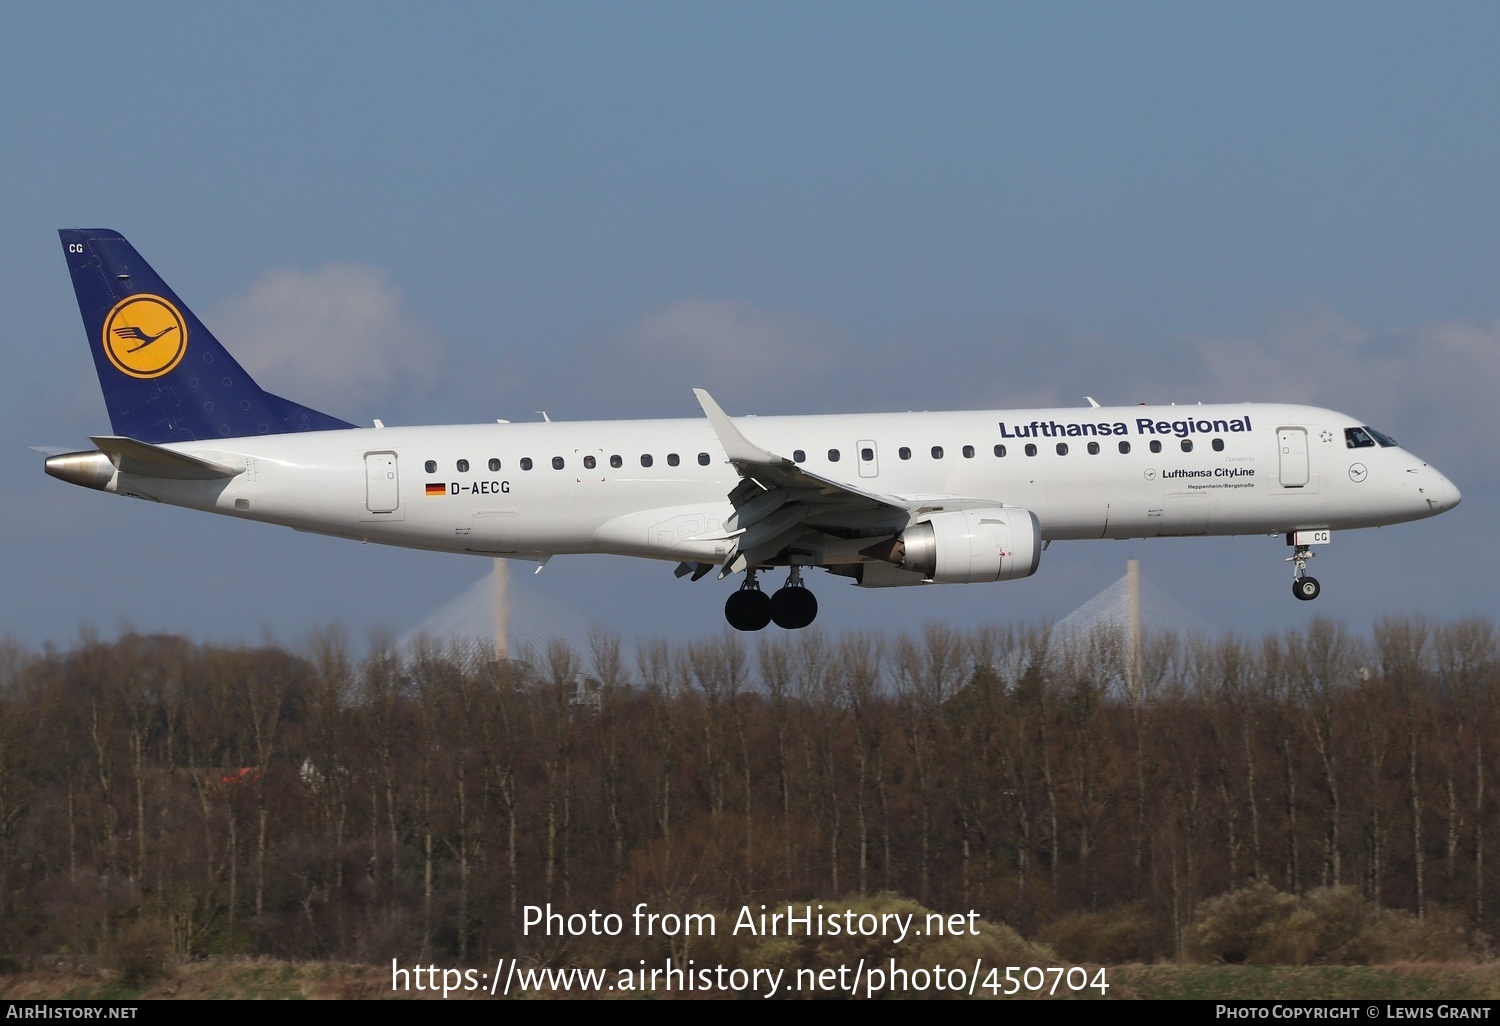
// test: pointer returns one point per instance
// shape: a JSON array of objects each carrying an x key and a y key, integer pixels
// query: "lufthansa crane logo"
[{"x": 144, "y": 336}]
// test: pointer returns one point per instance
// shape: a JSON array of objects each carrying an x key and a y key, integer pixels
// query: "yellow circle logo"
[{"x": 144, "y": 336}]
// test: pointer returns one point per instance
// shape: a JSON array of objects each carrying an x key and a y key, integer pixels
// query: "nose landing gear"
[{"x": 1303, "y": 587}]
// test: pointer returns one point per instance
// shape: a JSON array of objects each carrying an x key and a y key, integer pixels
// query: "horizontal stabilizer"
[{"x": 141, "y": 458}]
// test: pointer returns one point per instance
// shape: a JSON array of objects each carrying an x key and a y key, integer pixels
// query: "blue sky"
[{"x": 467, "y": 211}]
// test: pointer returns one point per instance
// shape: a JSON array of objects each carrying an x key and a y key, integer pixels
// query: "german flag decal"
[{"x": 436, "y": 488}]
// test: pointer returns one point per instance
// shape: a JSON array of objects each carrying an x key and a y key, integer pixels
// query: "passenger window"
[
  {"x": 833, "y": 455},
  {"x": 1093, "y": 448},
  {"x": 1218, "y": 445},
  {"x": 1155, "y": 445},
  {"x": 1187, "y": 445},
  {"x": 703, "y": 459},
  {"x": 1000, "y": 451},
  {"x": 588, "y": 463},
  {"x": 646, "y": 459},
  {"x": 1124, "y": 448},
  {"x": 430, "y": 466},
  {"x": 557, "y": 463},
  {"x": 1062, "y": 448},
  {"x": 937, "y": 452},
  {"x": 616, "y": 462},
  {"x": 672, "y": 459},
  {"x": 1030, "y": 449},
  {"x": 494, "y": 464},
  {"x": 463, "y": 466},
  {"x": 968, "y": 452},
  {"x": 799, "y": 456},
  {"x": 525, "y": 462},
  {"x": 867, "y": 454},
  {"x": 904, "y": 453}
]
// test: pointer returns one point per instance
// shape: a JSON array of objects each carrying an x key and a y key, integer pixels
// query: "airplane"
[{"x": 883, "y": 500}]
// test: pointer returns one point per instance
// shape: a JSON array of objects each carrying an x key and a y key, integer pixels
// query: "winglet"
[{"x": 737, "y": 447}]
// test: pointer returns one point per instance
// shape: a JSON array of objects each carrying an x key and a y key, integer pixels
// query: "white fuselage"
[{"x": 659, "y": 488}]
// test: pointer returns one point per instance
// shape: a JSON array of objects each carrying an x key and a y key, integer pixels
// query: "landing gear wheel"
[
  {"x": 1306, "y": 588},
  {"x": 748, "y": 609},
  {"x": 794, "y": 608}
]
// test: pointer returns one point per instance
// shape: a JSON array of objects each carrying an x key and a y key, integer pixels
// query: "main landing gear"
[
  {"x": 1303, "y": 587},
  {"x": 748, "y": 609},
  {"x": 791, "y": 608}
]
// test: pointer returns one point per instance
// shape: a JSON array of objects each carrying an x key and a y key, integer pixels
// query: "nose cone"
[
  {"x": 1434, "y": 491},
  {"x": 1448, "y": 494}
]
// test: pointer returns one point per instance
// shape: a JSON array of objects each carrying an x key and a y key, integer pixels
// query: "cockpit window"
[
  {"x": 1386, "y": 441},
  {"x": 1358, "y": 438}
]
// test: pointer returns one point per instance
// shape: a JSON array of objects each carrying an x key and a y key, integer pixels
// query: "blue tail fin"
[{"x": 164, "y": 375}]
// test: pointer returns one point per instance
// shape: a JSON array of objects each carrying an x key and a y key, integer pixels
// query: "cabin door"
[{"x": 1292, "y": 444}]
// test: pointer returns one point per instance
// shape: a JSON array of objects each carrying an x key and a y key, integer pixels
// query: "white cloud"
[
  {"x": 751, "y": 359},
  {"x": 1431, "y": 385},
  {"x": 720, "y": 338},
  {"x": 339, "y": 338}
]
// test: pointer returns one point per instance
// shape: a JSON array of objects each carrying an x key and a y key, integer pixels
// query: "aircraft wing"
[{"x": 777, "y": 500}]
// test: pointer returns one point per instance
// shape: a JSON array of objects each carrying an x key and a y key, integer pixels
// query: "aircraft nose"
[
  {"x": 1452, "y": 495},
  {"x": 1441, "y": 493}
]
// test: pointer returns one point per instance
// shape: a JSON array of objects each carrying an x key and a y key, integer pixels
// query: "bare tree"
[
  {"x": 1468, "y": 660},
  {"x": 614, "y": 740},
  {"x": 925, "y": 675},
  {"x": 859, "y": 662},
  {"x": 1403, "y": 645},
  {"x": 777, "y": 675},
  {"x": 1321, "y": 664}
]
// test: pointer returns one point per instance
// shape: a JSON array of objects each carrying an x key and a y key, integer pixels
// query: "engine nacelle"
[{"x": 970, "y": 546}]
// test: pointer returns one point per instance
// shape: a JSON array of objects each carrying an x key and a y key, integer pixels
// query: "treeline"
[{"x": 320, "y": 804}]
